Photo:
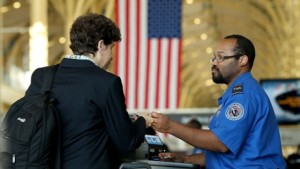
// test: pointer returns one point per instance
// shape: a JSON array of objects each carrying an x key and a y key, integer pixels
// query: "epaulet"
[{"x": 238, "y": 89}]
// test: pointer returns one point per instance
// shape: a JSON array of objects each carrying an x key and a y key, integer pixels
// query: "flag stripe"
[
  {"x": 174, "y": 76},
  {"x": 132, "y": 54},
  {"x": 152, "y": 73},
  {"x": 147, "y": 73},
  {"x": 127, "y": 40},
  {"x": 137, "y": 64},
  {"x": 143, "y": 55},
  {"x": 159, "y": 56},
  {"x": 168, "y": 73},
  {"x": 163, "y": 73}
]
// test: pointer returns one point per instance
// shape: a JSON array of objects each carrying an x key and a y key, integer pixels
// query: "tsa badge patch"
[{"x": 235, "y": 111}]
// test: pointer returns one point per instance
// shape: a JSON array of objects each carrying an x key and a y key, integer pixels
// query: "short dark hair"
[
  {"x": 244, "y": 46},
  {"x": 87, "y": 30}
]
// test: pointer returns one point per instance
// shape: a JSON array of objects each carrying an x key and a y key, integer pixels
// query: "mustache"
[{"x": 214, "y": 67}]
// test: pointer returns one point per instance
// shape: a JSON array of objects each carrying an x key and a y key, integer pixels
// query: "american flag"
[{"x": 148, "y": 58}]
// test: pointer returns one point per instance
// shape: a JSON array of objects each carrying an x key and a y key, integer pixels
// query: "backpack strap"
[
  {"x": 48, "y": 78},
  {"x": 46, "y": 88}
]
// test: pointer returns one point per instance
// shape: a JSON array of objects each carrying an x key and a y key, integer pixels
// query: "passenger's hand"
[
  {"x": 174, "y": 157},
  {"x": 135, "y": 117},
  {"x": 161, "y": 122},
  {"x": 148, "y": 119}
]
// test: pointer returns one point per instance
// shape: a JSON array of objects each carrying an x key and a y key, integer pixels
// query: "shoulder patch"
[
  {"x": 235, "y": 111},
  {"x": 237, "y": 89}
]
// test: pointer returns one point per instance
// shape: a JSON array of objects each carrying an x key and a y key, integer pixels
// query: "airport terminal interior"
[{"x": 272, "y": 25}]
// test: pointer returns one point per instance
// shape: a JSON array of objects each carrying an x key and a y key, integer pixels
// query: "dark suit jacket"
[{"x": 95, "y": 124}]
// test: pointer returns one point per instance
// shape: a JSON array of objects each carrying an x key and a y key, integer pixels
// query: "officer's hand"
[
  {"x": 161, "y": 122},
  {"x": 174, "y": 157}
]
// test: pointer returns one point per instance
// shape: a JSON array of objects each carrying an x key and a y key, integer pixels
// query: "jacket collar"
[{"x": 76, "y": 63}]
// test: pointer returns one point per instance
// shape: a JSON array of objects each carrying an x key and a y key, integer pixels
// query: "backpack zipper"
[{"x": 13, "y": 158}]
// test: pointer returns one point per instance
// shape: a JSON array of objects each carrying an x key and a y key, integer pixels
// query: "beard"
[{"x": 217, "y": 77}]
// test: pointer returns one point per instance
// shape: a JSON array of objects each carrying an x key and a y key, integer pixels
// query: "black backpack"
[{"x": 30, "y": 131}]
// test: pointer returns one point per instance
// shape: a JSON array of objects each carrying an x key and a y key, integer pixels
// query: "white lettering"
[{"x": 21, "y": 119}]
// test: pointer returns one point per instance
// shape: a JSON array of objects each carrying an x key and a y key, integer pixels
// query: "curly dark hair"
[
  {"x": 244, "y": 46},
  {"x": 87, "y": 30}
]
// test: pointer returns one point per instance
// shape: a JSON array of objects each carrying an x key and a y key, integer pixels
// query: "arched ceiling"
[{"x": 271, "y": 24}]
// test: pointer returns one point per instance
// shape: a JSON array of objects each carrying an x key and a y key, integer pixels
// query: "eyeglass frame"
[{"x": 221, "y": 59}]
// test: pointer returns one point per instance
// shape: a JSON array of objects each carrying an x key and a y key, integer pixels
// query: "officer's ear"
[{"x": 243, "y": 61}]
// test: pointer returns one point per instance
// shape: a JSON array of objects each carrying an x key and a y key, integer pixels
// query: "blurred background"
[{"x": 34, "y": 33}]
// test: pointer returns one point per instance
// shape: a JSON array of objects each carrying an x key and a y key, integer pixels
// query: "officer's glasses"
[{"x": 219, "y": 59}]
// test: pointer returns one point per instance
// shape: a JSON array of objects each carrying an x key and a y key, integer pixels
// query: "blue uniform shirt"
[{"x": 246, "y": 124}]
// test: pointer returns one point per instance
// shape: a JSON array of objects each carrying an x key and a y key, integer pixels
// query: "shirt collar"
[{"x": 241, "y": 78}]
